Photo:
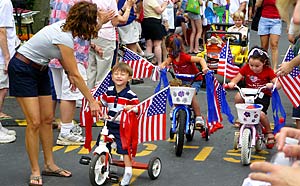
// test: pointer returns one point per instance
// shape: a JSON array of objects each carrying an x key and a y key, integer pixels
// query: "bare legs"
[
  {"x": 157, "y": 49},
  {"x": 195, "y": 35},
  {"x": 273, "y": 40}
]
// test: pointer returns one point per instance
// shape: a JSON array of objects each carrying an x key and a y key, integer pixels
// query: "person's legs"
[
  {"x": 31, "y": 110},
  {"x": 192, "y": 36},
  {"x": 198, "y": 24},
  {"x": 264, "y": 41},
  {"x": 157, "y": 50},
  {"x": 274, "y": 40}
]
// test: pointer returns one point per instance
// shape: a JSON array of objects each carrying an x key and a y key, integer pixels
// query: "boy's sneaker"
[
  {"x": 125, "y": 180},
  {"x": 70, "y": 139},
  {"x": 7, "y": 131},
  {"x": 5, "y": 138},
  {"x": 199, "y": 123}
]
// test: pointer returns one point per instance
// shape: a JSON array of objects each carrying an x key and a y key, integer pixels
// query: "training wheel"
[{"x": 154, "y": 168}]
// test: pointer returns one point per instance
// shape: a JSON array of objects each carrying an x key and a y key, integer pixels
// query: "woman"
[
  {"x": 152, "y": 27},
  {"x": 29, "y": 81},
  {"x": 269, "y": 28}
]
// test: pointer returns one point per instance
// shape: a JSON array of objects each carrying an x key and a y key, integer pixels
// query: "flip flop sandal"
[
  {"x": 57, "y": 173},
  {"x": 36, "y": 179}
]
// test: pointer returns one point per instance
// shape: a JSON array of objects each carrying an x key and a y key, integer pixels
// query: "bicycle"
[
  {"x": 251, "y": 133},
  {"x": 182, "y": 116},
  {"x": 99, "y": 164}
]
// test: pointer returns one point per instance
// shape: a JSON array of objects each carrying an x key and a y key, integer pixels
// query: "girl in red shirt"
[
  {"x": 185, "y": 64},
  {"x": 258, "y": 73}
]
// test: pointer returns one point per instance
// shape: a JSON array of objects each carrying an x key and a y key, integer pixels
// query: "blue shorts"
[
  {"x": 196, "y": 84},
  {"x": 27, "y": 81},
  {"x": 268, "y": 26},
  {"x": 114, "y": 129},
  {"x": 194, "y": 16},
  {"x": 296, "y": 113}
]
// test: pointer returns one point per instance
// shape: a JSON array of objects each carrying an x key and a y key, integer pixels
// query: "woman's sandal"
[
  {"x": 270, "y": 140},
  {"x": 35, "y": 181},
  {"x": 58, "y": 172}
]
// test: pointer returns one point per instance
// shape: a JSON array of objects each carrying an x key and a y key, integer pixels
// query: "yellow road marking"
[
  {"x": 252, "y": 156},
  {"x": 135, "y": 174},
  {"x": 86, "y": 151},
  {"x": 56, "y": 148},
  {"x": 147, "y": 151},
  {"x": 172, "y": 140},
  {"x": 190, "y": 147},
  {"x": 71, "y": 148},
  {"x": 203, "y": 154},
  {"x": 232, "y": 160},
  {"x": 21, "y": 122}
]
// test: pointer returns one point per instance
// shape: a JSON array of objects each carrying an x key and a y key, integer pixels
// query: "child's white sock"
[
  {"x": 66, "y": 128},
  {"x": 127, "y": 176}
]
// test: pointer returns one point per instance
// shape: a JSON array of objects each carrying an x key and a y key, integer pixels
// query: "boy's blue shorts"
[{"x": 114, "y": 129}]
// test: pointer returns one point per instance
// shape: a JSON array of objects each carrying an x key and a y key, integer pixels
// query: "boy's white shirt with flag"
[
  {"x": 291, "y": 82},
  {"x": 226, "y": 67}
]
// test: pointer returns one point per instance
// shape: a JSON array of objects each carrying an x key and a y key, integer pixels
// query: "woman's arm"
[
  {"x": 258, "y": 3},
  {"x": 161, "y": 8},
  {"x": 70, "y": 66},
  {"x": 124, "y": 12}
]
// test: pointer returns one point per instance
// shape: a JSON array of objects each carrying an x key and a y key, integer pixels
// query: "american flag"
[
  {"x": 226, "y": 66},
  {"x": 291, "y": 82},
  {"x": 140, "y": 66},
  {"x": 152, "y": 118},
  {"x": 86, "y": 118}
]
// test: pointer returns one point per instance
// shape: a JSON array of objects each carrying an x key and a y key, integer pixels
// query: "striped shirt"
[{"x": 116, "y": 101}]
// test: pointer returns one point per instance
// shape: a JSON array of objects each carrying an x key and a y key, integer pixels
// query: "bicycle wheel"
[
  {"x": 154, "y": 168},
  {"x": 246, "y": 147},
  {"x": 180, "y": 132},
  {"x": 259, "y": 140},
  {"x": 191, "y": 132},
  {"x": 99, "y": 169}
]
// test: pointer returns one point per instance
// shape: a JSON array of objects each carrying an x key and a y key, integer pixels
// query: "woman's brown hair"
[{"x": 82, "y": 20}]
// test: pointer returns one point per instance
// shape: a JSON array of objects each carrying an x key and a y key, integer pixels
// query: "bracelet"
[{"x": 122, "y": 10}]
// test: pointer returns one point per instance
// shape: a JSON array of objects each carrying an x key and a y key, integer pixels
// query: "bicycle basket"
[
  {"x": 182, "y": 95},
  {"x": 249, "y": 113}
]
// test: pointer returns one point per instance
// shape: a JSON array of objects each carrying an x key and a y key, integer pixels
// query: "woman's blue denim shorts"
[{"x": 269, "y": 26}]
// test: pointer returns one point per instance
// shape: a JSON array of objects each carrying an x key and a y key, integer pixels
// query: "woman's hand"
[
  {"x": 284, "y": 69},
  {"x": 276, "y": 175},
  {"x": 95, "y": 108},
  {"x": 105, "y": 16}
]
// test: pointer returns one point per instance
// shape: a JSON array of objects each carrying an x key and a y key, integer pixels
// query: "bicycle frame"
[{"x": 188, "y": 112}]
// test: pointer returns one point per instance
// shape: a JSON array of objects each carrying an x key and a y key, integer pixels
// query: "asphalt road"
[{"x": 209, "y": 163}]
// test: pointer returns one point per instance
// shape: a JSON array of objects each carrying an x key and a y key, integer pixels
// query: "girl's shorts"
[
  {"x": 269, "y": 26},
  {"x": 196, "y": 84},
  {"x": 194, "y": 16}
]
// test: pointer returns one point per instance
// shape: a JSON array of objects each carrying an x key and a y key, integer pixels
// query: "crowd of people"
[{"x": 82, "y": 41}]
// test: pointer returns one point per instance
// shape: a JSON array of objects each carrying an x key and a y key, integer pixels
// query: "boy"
[
  {"x": 119, "y": 97},
  {"x": 238, "y": 18}
]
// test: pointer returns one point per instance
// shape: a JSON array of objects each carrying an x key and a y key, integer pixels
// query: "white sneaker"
[
  {"x": 199, "y": 122},
  {"x": 125, "y": 180},
  {"x": 5, "y": 138},
  {"x": 7, "y": 131},
  {"x": 70, "y": 139}
]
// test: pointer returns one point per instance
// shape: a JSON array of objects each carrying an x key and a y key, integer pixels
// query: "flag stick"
[{"x": 226, "y": 58}]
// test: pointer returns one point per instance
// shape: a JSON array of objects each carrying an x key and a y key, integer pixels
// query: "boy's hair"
[
  {"x": 175, "y": 42},
  {"x": 238, "y": 15},
  {"x": 260, "y": 54},
  {"x": 123, "y": 67}
]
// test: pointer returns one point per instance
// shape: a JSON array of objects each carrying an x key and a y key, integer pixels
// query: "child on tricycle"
[
  {"x": 258, "y": 73},
  {"x": 183, "y": 63},
  {"x": 119, "y": 96}
]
